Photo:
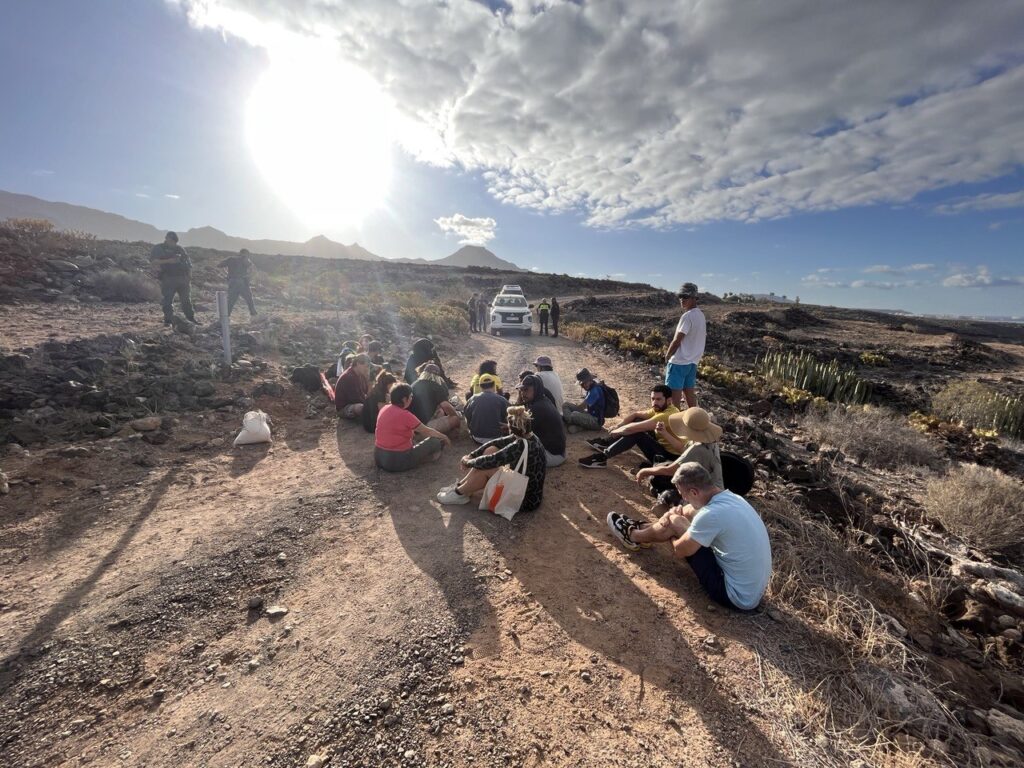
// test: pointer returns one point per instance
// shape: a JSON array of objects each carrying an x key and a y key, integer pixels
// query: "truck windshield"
[{"x": 510, "y": 301}]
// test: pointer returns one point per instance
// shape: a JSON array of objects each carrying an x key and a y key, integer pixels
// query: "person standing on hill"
[
  {"x": 686, "y": 349},
  {"x": 542, "y": 312},
  {"x": 174, "y": 271},
  {"x": 481, "y": 312},
  {"x": 556, "y": 311},
  {"x": 472, "y": 306},
  {"x": 239, "y": 274}
]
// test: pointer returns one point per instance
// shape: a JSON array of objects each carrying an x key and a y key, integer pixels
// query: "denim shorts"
[{"x": 681, "y": 376}]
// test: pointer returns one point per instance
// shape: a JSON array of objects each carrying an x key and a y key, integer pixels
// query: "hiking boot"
[
  {"x": 621, "y": 528},
  {"x": 595, "y": 461},
  {"x": 452, "y": 497}
]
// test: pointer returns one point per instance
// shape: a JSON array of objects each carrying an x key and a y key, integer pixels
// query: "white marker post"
[{"x": 225, "y": 325}]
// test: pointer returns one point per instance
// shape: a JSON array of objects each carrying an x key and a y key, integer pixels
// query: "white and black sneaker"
[
  {"x": 598, "y": 443},
  {"x": 595, "y": 461},
  {"x": 622, "y": 527}
]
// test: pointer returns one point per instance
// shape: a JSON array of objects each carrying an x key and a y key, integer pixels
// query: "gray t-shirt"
[
  {"x": 708, "y": 456},
  {"x": 733, "y": 530},
  {"x": 486, "y": 413}
]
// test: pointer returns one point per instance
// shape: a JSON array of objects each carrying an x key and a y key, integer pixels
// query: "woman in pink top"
[{"x": 394, "y": 450}]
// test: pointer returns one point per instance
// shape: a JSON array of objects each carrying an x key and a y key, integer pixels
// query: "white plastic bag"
[
  {"x": 505, "y": 491},
  {"x": 255, "y": 429}
]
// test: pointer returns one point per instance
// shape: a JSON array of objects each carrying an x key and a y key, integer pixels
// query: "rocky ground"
[{"x": 168, "y": 599}]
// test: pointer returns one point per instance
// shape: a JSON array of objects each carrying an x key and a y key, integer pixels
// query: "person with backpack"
[
  {"x": 542, "y": 313},
  {"x": 590, "y": 413},
  {"x": 504, "y": 452},
  {"x": 639, "y": 429}
]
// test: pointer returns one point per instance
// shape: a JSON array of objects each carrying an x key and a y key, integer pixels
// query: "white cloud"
[
  {"x": 172, "y": 197},
  {"x": 989, "y": 202},
  {"x": 819, "y": 281},
  {"x": 656, "y": 113},
  {"x": 469, "y": 231},
  {"x": 42, "y": 172},
  {"x": 888, "y": 270},
  {"x": 981, "y": 278},
  {"x": 141, "y": 194}
]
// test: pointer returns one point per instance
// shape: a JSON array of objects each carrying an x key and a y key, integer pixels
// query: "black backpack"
[
  {"x": 611, "y": 400},
  {"x": 737, "y": 473}
]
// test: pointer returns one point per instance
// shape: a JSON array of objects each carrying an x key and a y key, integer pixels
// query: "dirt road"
[{"x": 416, "y": 634}]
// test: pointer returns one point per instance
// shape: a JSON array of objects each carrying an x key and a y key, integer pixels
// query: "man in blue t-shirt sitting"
[
  {"x": 588, "y": 414},
  {"x": 721, "y": 536}
]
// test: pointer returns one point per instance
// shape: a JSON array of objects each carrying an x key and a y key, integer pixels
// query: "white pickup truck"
[{"x": 510, "y": 312}]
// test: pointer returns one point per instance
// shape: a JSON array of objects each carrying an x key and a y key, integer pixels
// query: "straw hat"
[{"x": 695, "y": 424}]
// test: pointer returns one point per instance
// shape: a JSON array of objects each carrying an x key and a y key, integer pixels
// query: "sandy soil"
[{"x": 416, "y": 634}]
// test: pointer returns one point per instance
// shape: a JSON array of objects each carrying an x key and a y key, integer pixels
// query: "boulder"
[
  {"x": 26, "y": 434},
  {"x": 147, "y": 424}
]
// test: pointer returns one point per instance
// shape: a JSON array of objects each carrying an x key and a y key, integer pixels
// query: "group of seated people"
[{"x": 719, "y": 534}]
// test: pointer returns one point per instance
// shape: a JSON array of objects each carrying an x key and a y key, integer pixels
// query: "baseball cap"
[
  {"x": 687, "y": 290},
  {"x": 486, "y": 379},
  {"x": 543, "y": 360},
  {"x": 531, "y": 380},
  {"x": 584, "y": 374}
]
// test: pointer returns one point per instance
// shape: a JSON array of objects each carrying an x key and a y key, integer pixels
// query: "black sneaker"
[
  {"x": 592, "y": 462},
  {"x": 621, "y": 528},
  {"x": 597, "y": 443}
]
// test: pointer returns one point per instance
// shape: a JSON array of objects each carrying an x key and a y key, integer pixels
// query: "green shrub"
[
  {"x": 132, "y": 287},
  {"x": 434, "y": 321},
  {"x": 805, "y": 372},
  {"x": 874, "y": 358},
  {"x": 982, "y": 505},
  {"x": 980, "y": 407}
]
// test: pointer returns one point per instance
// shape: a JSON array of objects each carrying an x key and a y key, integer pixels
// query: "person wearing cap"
[
  {"x": 542, "y": 314},
  {"x": 645, "y": 430},
  {"x": 693, "y": 425},
  {"x": 552, "y": 383},
  {"x": 174, "y": 272},
  {"x": 720, "y": 535},
  {"x": 547, "y": 422},
  {"x": 588, "y": 414},
  {"x": 503, "y": 452},
  {"x": 239, "y": 274},
  {"x": 686, "y": 348},
  {"x": 430, "y": 401},
  {"x": 486, "y": 368},
  {"x": 485, "y": 412}
]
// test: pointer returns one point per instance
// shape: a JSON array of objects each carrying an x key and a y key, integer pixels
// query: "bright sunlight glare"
[{"x": 321, "y": 134}]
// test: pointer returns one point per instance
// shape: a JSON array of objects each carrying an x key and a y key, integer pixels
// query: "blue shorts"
[{"x": 681, "y": 376}]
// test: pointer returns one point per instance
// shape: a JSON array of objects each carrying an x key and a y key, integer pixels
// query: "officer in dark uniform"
[
  {"x": 174, "y": 271},
  {"x": 239, "y": 275}
]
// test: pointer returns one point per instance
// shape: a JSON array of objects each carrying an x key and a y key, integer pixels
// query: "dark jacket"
[
  {"x": 181, "y": 268},
  {"x": 547, "y": 421},
  {"x": 423, "y": 351},
  {"x": 426, "y": 396}
]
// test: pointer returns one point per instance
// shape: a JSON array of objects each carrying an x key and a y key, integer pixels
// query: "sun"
[{"x": 321, "y": 134}]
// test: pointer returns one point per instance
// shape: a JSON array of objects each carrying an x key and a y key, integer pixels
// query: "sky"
[{"x": 865, "y": 154}]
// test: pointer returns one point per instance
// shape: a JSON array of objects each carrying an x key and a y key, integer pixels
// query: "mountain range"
[{"x": 111, "y": 226}]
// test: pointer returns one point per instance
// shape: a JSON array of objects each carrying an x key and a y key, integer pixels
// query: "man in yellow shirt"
[{"x": 638, "y": 430}]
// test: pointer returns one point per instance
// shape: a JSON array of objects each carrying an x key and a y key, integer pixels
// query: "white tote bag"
[
  {"x": 505, "y": 491},
  {"x": 255, "y": 429}
]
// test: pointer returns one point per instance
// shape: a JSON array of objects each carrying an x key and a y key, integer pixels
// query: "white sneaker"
[{"x": 451, "y": 496}]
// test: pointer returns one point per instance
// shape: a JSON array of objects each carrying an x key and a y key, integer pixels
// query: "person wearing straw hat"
[
  {"x": 720, "y": 535},
  {"x": 503, "y": 452},
  {"x": 694, "y": 436}
]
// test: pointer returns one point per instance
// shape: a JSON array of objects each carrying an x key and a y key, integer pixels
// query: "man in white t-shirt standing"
[{"x": 686, "y": 349}]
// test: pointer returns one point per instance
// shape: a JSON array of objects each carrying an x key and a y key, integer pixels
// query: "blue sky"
[{"x": 857, "y": 157}]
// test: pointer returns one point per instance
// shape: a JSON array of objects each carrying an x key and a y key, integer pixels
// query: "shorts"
[
  {"x": 710, "y": 575},
  {"x": 681, "y": 376}
]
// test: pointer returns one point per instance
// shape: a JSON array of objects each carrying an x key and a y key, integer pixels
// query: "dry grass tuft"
[
  {"x": 132, "y": 287},
  {"x": 982, "y": 505},
  {"x": 875, "y": 436}
]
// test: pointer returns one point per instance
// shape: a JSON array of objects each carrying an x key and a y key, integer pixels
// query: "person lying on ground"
[
  {"x": 721, "y": 536},
  {"x": 547, "y": 423},
  {"x": 486, "y": 368},
  {"x": 486, "y": 412},
  {"x": 424, "y": 351},
  {"x": 352, "y": 387},
  {"x": 639, "y": 429},
  {"x": 394, "y": 450},
  {"x": 430, "y": 401},
  {"x": 693, "y": 425},
  {"x": 377, "y": 399},
  {"x": 552, "y": 382},
  {"x": 503, "y": 452},
  {"x": 588, "y": 414}
]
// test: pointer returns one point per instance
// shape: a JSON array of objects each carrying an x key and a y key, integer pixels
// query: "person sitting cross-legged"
[
  {"x": 588, "y": 414},
  {"x": 721, "y": 536},
  {"x": 430, "y": 400},
  {"x": 394, "y": 450},
  {"x": 486, "y": 412},
  {"x": 503, "y": 452},
  {"x": 639, "y": 430},
  {"x": 352, "y": 387}
]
